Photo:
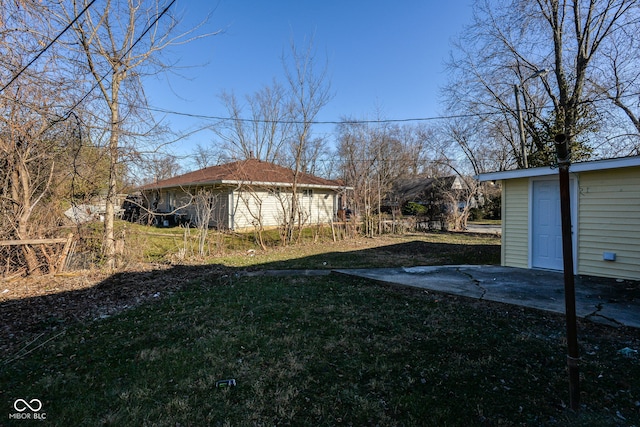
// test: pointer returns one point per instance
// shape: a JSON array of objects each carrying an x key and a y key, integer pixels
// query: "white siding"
[
  {"x": 273, "y": 206},
  {"x": 609, "y": 221},
  {"x": 251, "y": 206},
  {"x": 244, "y": 208},
  {"x": 183, "y": 202}
]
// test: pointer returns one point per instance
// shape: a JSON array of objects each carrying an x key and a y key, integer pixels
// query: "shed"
[{"x": 605, "y": 217}]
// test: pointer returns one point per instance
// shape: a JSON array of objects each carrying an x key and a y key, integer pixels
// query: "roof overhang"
[
  {"x": 596, "y": 165},
  {"x": 247, "y": 183}
]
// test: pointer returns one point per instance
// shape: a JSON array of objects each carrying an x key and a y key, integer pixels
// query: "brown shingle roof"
[{"x": 249, "y": 171}]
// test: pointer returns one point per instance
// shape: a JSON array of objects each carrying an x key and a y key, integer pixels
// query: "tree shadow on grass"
[
  {"x": 26, "y": 319},
  {"x": 34, "y": 317},
  {"x": 410, "y": 254}
]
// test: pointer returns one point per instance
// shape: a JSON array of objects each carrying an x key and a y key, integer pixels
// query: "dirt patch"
[{"x": 31, "y": 306}]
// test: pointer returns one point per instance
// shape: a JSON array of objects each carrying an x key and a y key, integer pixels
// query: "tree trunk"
[
  {"x": 294, "y": 208},
  {"x": 27, "y": 251},
  {"x": 20, "y": 191},
  {"x": 109, "y": 243},
  {"x": 31, "y": 259}
]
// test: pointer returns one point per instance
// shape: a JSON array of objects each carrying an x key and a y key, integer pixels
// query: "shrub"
[{"x": 413, "y": 208}]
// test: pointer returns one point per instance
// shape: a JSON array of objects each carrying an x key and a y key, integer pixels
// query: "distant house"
[
  {"x": 605, "y": 217},
  {"x": 94, "y": 209},
  {"x": 244, "y": 193},
  {"x": 438, "y": 195}
]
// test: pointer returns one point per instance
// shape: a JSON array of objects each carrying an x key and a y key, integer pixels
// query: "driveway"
[{"x": 608, "y": 301}]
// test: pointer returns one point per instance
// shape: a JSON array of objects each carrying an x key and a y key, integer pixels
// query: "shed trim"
[{"x": 596, "y": 165}]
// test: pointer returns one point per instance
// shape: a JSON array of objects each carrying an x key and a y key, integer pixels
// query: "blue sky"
[{"x": 382, "y": 56}]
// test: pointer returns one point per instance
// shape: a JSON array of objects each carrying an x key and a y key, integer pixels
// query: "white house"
[
  {"x": 605, "y": 217},
  {"x": 246, "y": 192}
]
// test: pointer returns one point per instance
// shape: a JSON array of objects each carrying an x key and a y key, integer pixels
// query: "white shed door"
[{"x": 546, "y": 234}]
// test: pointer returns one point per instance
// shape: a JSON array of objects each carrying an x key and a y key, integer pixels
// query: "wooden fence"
[{"x": 56, "y": 259}]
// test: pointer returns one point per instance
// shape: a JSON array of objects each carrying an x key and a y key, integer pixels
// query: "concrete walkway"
[{"x": 608, "y": 301}]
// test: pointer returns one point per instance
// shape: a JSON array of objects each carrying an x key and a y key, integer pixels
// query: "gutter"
[
  {"x": 595, "y": 165},
  {"x": 240, "y": 183}
]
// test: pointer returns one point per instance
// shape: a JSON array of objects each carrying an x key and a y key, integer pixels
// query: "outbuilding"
[{"x": 605, "y": 217}]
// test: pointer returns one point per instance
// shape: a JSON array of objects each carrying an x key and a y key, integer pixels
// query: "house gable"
[{"x": 422, "y": 190}]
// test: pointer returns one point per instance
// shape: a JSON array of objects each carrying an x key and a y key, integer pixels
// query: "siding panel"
[
  {"x": 610, "y": 221},
  {"x": 515, "y": 202},
  {"x": 272, "y": 207}
]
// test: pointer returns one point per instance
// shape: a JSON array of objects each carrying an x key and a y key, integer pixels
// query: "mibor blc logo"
[{"x": 28, "y": 410}]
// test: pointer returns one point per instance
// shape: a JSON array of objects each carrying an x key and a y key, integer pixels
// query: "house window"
[{"x": 307, "y": 193}]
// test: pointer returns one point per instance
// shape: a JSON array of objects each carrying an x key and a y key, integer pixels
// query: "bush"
[
  {"x": 493, "y": 207},
  {"x": 413, "y": 208},
  {"x": 476, "y": 214}
]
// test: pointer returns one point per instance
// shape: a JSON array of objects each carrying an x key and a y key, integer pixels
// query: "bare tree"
[
  {"x": 510, "y": 43},
  {"x": 158, "y": 166},
  {"x": 314, "y": 154},
  {"x": 28, "y": 168},
  {"x": 375, "y": 157},
  {"x": 459, "y": 201},
  {"x": 263, "y": 133},
  {"x": 203, "y": 156},
  {"x": 119, "y": 42},
  {"x": 471, "y": 151},
  {"x": 205, "y": 203},
  {"x": 34, "y": 136},
  {"x": 585, "y": 26},
  {"x": 616, "y": 78},
  {"x": 309, "y": 90},
  {"x": 253, "y": 199}
]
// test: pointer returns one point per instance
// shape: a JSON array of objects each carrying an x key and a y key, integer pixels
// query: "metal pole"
[
  {"x": 523, "y": 149},
  {"x": 569, "y": 285}
]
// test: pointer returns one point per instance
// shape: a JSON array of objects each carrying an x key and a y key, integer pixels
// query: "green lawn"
[{"x": 322, "y": 351}]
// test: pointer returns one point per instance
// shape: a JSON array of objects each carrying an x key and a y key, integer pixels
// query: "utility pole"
[{"x": 562, "y": 152}]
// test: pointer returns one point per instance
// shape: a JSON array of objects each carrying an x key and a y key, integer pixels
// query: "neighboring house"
[
  {"x": 439, "y": 195},
  {"x": 605, "y": 217},
  {"x": 94, "y": 209},
  {"x": 245, "y": 194}
]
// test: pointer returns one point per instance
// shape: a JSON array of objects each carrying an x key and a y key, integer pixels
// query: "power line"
[
  {"x": 47, "y": 46},
  {"x": 104, "y": 76},
  {"x": 349, "y": 122},
  {"x": 322, "y": 122}
]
